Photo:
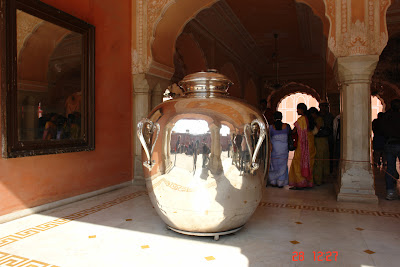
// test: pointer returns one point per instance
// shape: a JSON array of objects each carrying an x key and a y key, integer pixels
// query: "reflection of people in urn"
[
  {"x": 195, "y": 152},
  {"x": 244, "y": 159},
  {"x": 177, "y": 144},
  {"x": 148, "y": 134},
  {"x": 237, "y": 142},
  {"x": 206, "y": 151},
  {"x": 177, "y": 147}
]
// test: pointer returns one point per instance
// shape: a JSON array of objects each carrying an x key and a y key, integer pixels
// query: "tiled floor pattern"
[
  {"x": 121, "y": 228},
  {"x": 14, "y": 260},
  {"x": 66, "y": 219}
]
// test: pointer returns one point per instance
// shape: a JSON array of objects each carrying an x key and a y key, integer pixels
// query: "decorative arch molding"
[
  {"x": 191, "y": 52},
  {"x": 390, "y": 91},
  {"x": 31, "y": 45},
  {"x": 159, "y": 23},
  {"x": 276, "y": 97},
  {"x": 29, "y": 25},
  {"x": 392, "y": 86},
  {"x": 318, "y": 8}
]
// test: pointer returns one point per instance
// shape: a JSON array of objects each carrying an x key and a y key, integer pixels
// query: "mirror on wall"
[{"x": 47, "y": 80}]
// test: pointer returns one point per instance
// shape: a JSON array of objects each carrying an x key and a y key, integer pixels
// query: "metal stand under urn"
[{"x": 205, "y": 157}]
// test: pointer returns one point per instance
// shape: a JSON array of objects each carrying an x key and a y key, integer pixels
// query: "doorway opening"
[
  {"x": 288, "y": 106},
  {"x": 376, "y": 107}
]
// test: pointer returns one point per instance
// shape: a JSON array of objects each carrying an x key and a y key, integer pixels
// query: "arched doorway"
[
  {"x": 288, "y": 106},
  {"x": 377, "y": 106}
]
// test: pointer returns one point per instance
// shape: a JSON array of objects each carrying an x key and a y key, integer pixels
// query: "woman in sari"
[
  {"x": 321, "y": 166},
  {"x": 301, "y": 169},
  {"x": 278, "y": 172}
]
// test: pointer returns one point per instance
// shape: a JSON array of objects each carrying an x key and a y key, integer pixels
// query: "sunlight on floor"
[{"x": 121, "y": 228}]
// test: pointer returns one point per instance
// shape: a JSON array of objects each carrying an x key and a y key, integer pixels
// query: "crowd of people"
[
  {"x": 316, "y": 145},
  {"x": 194, "y": 148},
  {"x": 386, "y": 145},
  {"x": 240, "y": 152},
  {"x": 312, "y": 141}
]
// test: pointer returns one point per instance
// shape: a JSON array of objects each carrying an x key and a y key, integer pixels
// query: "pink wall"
[{"x": 32, "y": 181}]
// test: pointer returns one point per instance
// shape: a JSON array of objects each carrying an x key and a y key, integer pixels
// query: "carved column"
[
  {"x": 141, "y": 95},
  {"x": 356, "y": 180}
]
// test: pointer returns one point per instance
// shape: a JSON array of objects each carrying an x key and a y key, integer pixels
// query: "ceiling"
[
  {"x": 300, "y": 32},
  {"x": 301, "y": 43}
]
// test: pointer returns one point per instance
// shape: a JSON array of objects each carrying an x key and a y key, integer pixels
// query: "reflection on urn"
[{"x": 200, "y": 181}]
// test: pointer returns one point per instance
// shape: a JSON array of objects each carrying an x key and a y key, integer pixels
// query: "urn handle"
[
  {"x": 147, "y": 132},
  {"x": 249, "y": 129}
]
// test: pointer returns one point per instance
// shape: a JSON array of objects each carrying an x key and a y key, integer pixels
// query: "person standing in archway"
[
  {"x": 301, "y": 169},
  {"x": 378, "y": 141},
  {"x": 391, "y": 128},
  {"x": 278, "y": 173},
  {"x": 205, "y": 151},
  {"x": 266, "y": 111},
  {"x": 321, "y": 166},
  {"x": 328, "y": 118}
]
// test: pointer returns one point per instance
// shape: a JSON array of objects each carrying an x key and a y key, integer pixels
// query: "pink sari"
[
  {"x": 302, "y": 131},
  {"x": 300, "y": 173}
]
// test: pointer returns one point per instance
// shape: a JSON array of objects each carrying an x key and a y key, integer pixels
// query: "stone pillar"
[
  {"x": 141, "y": 94},
  {"x": 156, "y": 96},
  {"x": 356, "y": 181}
]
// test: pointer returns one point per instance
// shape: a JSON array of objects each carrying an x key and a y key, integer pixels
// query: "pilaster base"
[
  {"x": 138, "y": 178},
  {"x": 356, "y": 186}
]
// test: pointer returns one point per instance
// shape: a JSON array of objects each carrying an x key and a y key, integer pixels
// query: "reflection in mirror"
[{"x": 49, "y": 80}]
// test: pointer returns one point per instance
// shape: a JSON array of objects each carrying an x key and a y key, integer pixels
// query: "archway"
[
  {"x": 377, "y": 105},
  {"x": 275, "y": 98},
  {"x": 288, "y": 106},
  {"x": 167, "y": 19},
  {"x": 189, "y": 57}
]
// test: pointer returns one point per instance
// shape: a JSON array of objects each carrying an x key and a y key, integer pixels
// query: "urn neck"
[{"x": 208, "y": 83}]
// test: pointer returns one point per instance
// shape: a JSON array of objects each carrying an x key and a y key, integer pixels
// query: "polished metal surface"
[
  {"x": 215, "y": 235},
  {"x": 205, "y": 172},
  {"x": 148, "y": 139}
]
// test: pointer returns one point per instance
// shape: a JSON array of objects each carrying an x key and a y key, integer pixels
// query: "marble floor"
[{"x": 121, "y": 228}]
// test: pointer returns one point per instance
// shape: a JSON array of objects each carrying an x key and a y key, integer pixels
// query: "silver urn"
[{"x": 205, "y": 157}]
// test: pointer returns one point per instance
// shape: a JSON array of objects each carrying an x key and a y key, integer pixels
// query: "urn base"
[{"x": 215, "y": 235}]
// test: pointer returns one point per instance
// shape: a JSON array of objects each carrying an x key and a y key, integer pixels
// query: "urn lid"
[{"x": 205, "y": 81}]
